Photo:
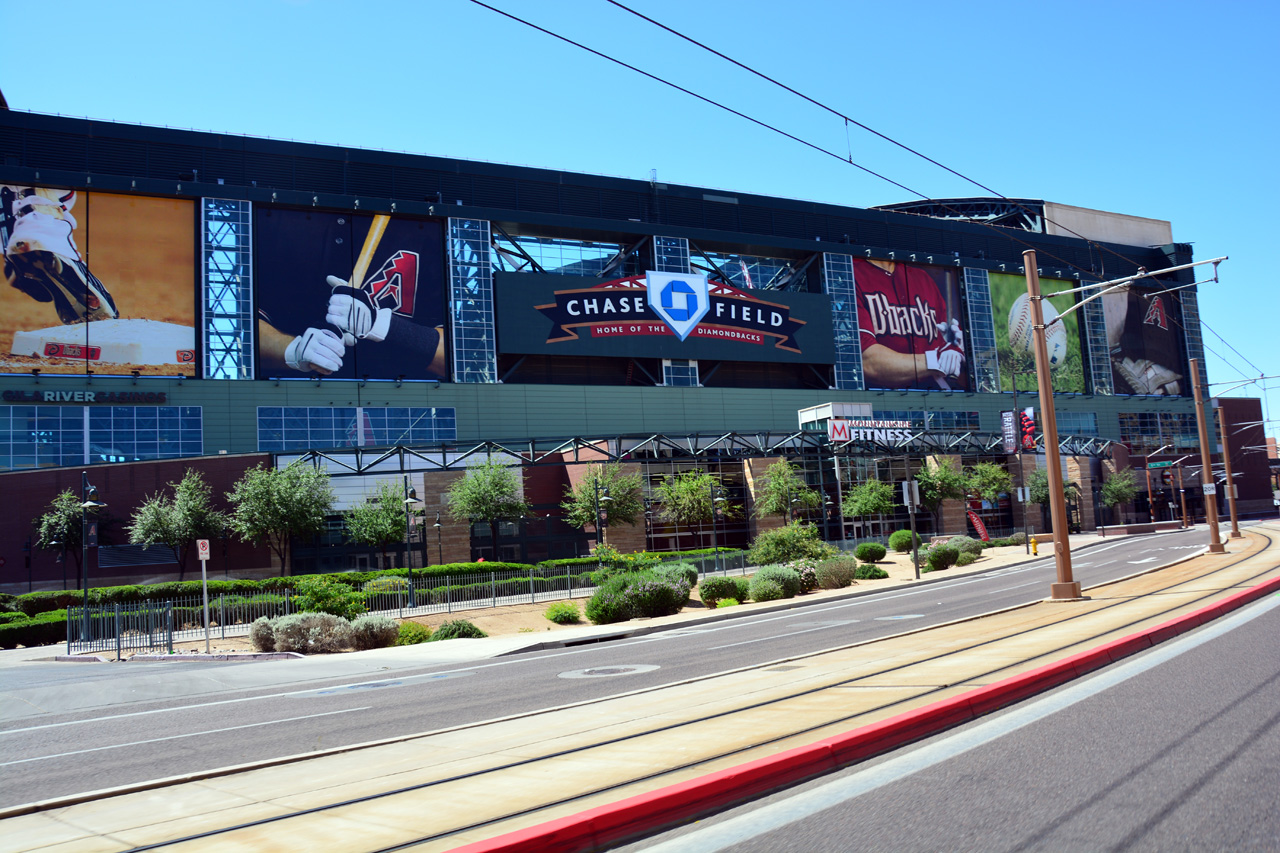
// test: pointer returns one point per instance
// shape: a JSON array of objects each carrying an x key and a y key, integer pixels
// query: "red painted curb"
[{"x": 653, "y": 811}]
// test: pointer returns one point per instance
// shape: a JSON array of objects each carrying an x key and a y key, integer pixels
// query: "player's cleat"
[{"x": 41, "y": 258}]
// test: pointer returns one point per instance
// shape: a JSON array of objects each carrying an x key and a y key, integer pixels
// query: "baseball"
[{"x": 1020, "y": 329}]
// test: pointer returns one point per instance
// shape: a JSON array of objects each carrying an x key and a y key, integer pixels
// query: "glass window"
[
  {"x": 318, "y": 428},
  {"x": 55, "y": 435}
]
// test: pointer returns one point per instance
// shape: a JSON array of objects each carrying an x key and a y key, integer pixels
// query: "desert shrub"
[
  {"x": 262, "y": 635},
  {"x": 788, "y": 579},
  {"x": 716, "y": 589},
  {"x": 965, "y": 559},
  {"x": 657, "y": 595},
  {"x": 311, "y": 632},
  {"x": 870, "y": 552},
  {"x": 765, "y": 589},
  {"x": 412, "y": 633},
  {"x": 563, "y": 613},
  {"x": 322, "y": 594},
  {"x": 374, "y": 632},
  {"x": 942, "y": 557},
  {"x": 900, "y": 541},
  {"x": 458, "y": 629},
  {"x": 807, "y": 569},
  {"x": 870, "y": 573},
  {"x": 966, "y": 545},
  {"x": 795, "y": 541},
  {"x": 1018, "y": 538},
  {"x": 727, "y": 602},
  {"x": 688, "y": 571},
  {"x": 837, "y": 573},
  {"x": 608, "y": 606},
  {"x": 744, "y": 588}
]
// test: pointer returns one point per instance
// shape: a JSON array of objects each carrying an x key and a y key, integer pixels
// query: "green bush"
[
  {"x": 686, "y": 571},
  {"x": 714, "y": 589},
  {"x": 8, "y": 603},
  {"x": 966, "y": 545},
  {"x": 965, "y": 559},
  {"x": 942, "y": 557},
  {"x": 608, "y": 606},
  {"x": 322, "y": 594},
  {"x": 412, "y": 633},
  {"x": 837, "y": 573},
  {"x": 795, "y": 541},
  {"x": 900, "y": 541},
  {"x": 374, "y": 632},
  {"x": 787, "y": 579},
  {"x": 7, "y": 616},
  {"x": 870, "y": 552},
  {"x": 870, "y": 573},
  {"x": 43, "y": 629},
  {"x": 765, "y": 589},
  {"x": 458, "y": 629},
  {"x": 657, "y": 596},
  {"x": 1018, "y": 538},
  {"x": 311, "y": 632},
  {"x": 727, "y": 602},
  {"x": 386, "y": 584},
  {"x": 807, "y": 569},
  {"x": 744, "y": 588},
  {"x": 262, "y": 635},
  {"x": 563, "y": 613}
]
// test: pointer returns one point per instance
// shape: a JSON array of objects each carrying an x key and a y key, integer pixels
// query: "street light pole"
[
  {"x": 439, "y": 545},
  {"x": 1206, "y": 475},
  {"x": 1067, "y": 588},
  {"x": 88, "y": 500},
  {"x": 410, "y": 499},
  {"x": 1226, "y": 465},
  {"x": 1151, "y": 504}
]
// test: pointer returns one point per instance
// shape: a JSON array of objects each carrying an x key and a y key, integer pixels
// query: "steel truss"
[{"x": 730, "y": 446}]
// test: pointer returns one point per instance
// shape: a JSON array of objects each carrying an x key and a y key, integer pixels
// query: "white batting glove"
[
  {"x": 315, "y": 349},
  {"x": 356, "y": 314}
]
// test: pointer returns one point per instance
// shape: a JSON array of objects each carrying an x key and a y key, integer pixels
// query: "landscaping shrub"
[
  {"x": 787, "y": 579},
  {"x": 744, "y": 588},
  {"x": 765, "y": 589},
  {"x": 7, "y": 616},
  {"x": 458, "y": 629},
  {"x": 657, "y": 596},
  {"x": 386, "y": 585},
  {"x": 870, "y": 552},
  {"x": 807, "y": 569},
  {"x": 870, "y": 573},
  {"x": 965, "y": 559},
  {"x": 966, "y": 545},
  {"x": 688, "y": 571},
  {"x": 563, "y": 613},
  {"x": 412, "y": 633},
  {"x": 900, "y": 541},
  {"x": 727, "y": 602},
  {"x": 262, "y": 635},
  {"x": 715, "y": 589},
  {"x": 311, "y": 632},
  {"x": 374, "y": 632},
  {"x": 8, "y": 602},
  {"x": 942, "y": 557},
  {"x": 608, "y": 606},
  {"x": 837, "y": 573},
  {"x": 795, "y": 541},
  {"x": 1018, "y": 538},
  {"x": 43, "y": 629},
  {"x": 322, "y": 594}
]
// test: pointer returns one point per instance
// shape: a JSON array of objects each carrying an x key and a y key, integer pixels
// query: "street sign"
[
  {"x": 202, "y": 549},
  {"x": 911, "y": 493},
  {"x": 1160, "y": 464},
  {"x": 1210, "y": 489}
]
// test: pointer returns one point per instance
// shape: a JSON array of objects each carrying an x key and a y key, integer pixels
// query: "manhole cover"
[{"x": 609, "y": 671}]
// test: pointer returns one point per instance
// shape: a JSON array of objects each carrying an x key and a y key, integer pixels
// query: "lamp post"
[
  {"x": 410, "y": 501},
  {"x": 715, "y": 513},
  {"x": 1206, "y": 478},
  {"x": 439, "y": 545},
  {"x": 1151, "y": 505},
  {"x": 1226, "y": 466},
  {"x": 1181, "y": 491},
  {"x": 88, "y": 537},
  {"x": 601, "y": 512}
]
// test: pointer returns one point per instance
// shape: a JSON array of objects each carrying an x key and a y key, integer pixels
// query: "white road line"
[
  {"x": 178, "y": 737},
  {"x": 780, "y": 636},
  {"x": 768, "y": 818}
]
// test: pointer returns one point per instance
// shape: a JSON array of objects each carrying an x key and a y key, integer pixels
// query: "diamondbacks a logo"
[
  {"x": 395, "y": 284},
  {"x": 1156, "y": 315},
  {"x": 680, "y": 300}
]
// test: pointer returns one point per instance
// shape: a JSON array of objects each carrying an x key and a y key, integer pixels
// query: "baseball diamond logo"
[
  {"x": 680, "y": 300},
  {"x": 1155, "y": 314}
]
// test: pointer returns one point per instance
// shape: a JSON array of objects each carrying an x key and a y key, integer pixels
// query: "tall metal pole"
[
  {"x": 1206, "y": 470},
  {"x": 84, "y": 554},
  {"x": 408, "y": 547},
  {"x": 1067, "y": 588},
  {"x": 1017, "y": 457},
  {"x": 1151, "y": 504},
  {"x": 1183, "y": 493},
  {"x": 1231, "y": 483},
  {"x": 715, "y": 544}
]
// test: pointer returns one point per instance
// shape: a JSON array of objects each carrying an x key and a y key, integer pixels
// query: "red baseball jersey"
[{"x": 900, "y": 309}]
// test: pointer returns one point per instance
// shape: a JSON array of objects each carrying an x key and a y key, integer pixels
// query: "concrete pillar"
[{"x": 1079, "y": 470}]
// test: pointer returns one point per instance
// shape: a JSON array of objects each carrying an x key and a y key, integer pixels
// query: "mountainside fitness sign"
[{"x": 660, "y": 315}]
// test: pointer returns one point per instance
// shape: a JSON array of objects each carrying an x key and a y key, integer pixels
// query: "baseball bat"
[{"x": 371, "y": 240}]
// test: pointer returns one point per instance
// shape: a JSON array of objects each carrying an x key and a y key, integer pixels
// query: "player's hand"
[
  {"x": 948, "y": 357},
  {"x": 356, "y": 314},
  {"x": 1147, "y": 377},
  {"x": 315, "y": 349}
]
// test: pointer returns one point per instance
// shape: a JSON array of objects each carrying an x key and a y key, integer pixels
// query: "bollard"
[{"x": 1035, "y": 547}]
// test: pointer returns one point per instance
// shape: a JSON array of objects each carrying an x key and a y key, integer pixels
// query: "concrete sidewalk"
[{"x": 639, "y": 744}]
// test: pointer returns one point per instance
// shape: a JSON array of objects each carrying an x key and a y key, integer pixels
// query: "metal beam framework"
[{"x": 730, "y": 446}]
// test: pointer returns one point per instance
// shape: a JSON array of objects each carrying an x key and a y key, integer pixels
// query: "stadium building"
[{"x": 551, "y": 319}]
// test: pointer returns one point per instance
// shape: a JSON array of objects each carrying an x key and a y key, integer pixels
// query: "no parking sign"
[{"x": 202, "y": 548}]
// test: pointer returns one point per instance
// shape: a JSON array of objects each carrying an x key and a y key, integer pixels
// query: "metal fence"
[{"x": 132, "y": 626}]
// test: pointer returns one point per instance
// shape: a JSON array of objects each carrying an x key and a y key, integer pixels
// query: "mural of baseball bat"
[{"x": 371, "y": 240}]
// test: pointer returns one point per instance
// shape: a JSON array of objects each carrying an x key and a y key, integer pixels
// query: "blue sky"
[{"x": 1158, "y": 109}]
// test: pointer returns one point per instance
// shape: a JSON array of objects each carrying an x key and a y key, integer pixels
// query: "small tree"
[
  {"x": 1119, "y": 488},
  {"x": 379, "y": 520},
  {"x": 490, "y": 491},
  {"x": 938, "y": 482},
  {"x": 177, "y": 521},
  {"x": 685, "y": 498},
  {"x": 988, "y": 481},
  {"x": 273, "y": 505},
  {"x": 781, "y": 489},
  {"x": 626, "y": 500},
  {"x": 873, "y": 497},
  {"x": 60, "y": 527}
]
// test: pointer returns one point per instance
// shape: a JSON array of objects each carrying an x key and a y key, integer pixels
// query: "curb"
[
  {"x": 667, "y": 807},
  {"x": 230, "y": 656}
]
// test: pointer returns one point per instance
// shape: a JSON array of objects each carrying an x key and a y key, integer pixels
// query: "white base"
[{"x": 111, "y": 342}]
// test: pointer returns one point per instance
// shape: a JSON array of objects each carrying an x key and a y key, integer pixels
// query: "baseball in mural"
[
  {"x": 96, "y": 282},
  {"x": 1011, "y": 307},
  {"x": 911, "y": 326},
  {"x": 1021, "y": 340}
]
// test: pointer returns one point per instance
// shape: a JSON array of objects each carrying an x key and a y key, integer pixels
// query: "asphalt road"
[
  {"x": 136, "y": 722},
  {"x": 1174, "y": 749}
]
